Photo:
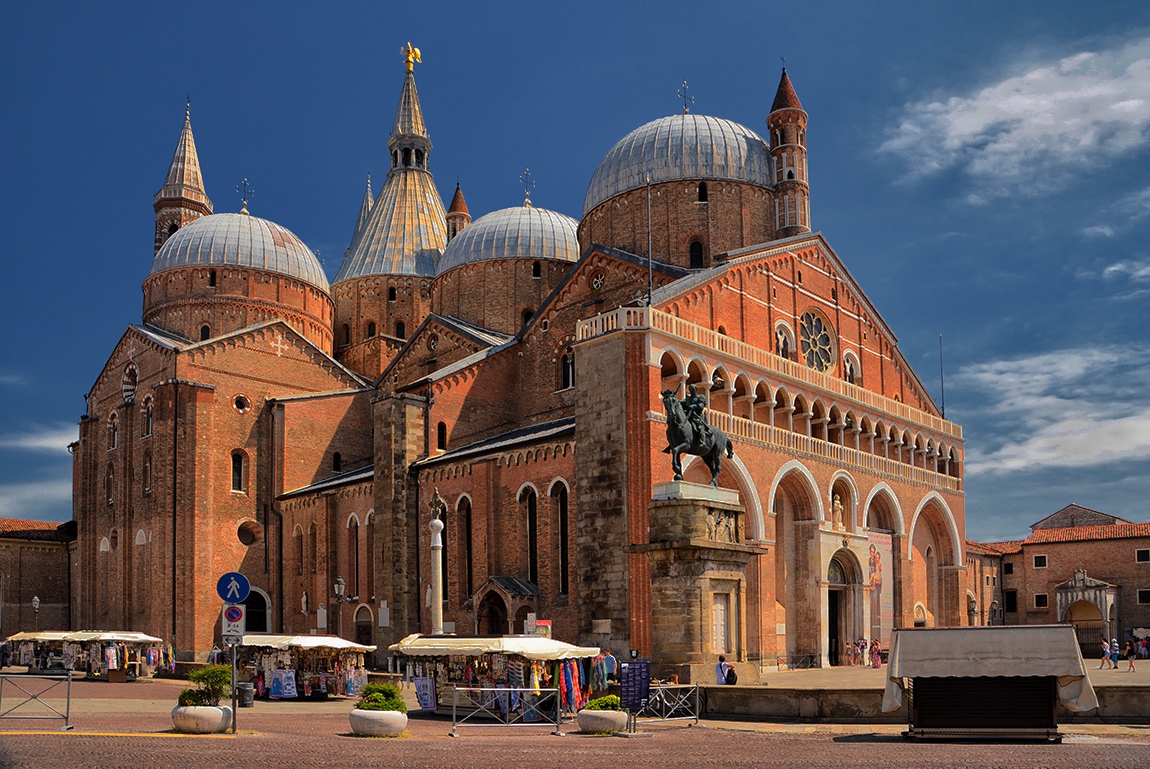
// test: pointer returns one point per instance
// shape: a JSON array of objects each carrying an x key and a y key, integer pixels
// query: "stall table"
[
  {"x": 290, "y": 666},
  {"x": 978, "y": 682}
]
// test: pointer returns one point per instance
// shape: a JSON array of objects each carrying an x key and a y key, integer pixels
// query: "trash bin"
[{"x": 246, "y": 694}]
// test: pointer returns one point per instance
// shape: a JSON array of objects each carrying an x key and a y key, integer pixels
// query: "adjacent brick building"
[
  {"x": 262, "y": 420},
  {"x": 35, "y": 557}
]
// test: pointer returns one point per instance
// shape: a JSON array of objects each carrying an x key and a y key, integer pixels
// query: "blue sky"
[{"x": 982, "y": 168}]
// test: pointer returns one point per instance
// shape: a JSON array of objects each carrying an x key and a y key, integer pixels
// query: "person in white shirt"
[{"x": 721, "y": 670}]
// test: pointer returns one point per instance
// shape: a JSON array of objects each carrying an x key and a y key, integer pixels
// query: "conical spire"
[
  {"x": 364, "y": 216},
  {"x": 458, "y": 204},
  {"x": 458, "y": 217},
  {"x": 409, "y": 115},
  {"x": 182, "y": 198},
  {"x": 785, "y": 97},
  {"x": 184, "y": 179}
]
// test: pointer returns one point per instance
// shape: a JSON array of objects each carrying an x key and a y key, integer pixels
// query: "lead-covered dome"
[
  {"x": 523, "y": 232},
  {"x": 680, "y": 147},
  {"x": 240, "y": 240}
]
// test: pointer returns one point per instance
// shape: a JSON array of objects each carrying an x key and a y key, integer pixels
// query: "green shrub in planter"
[
  {"x": 213, "y": 682},
  {"x": 381, "y": 697},
  {"x": 609, "y": 702}
]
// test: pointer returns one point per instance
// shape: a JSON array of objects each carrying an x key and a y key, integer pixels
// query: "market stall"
[
  {"x": 440, "y": 663},
  {"x": 117, "y": 655},
  {"x": 40, "y": 650},
  {"x": 987, "y": 681},
  {"x": 287, "y": 666}
]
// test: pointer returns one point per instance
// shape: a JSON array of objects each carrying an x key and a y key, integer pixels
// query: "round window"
[
  {"x": 242, "y": 404},
  {"x": 250, "y": 533},
  {"x": 816, "y": 342}
]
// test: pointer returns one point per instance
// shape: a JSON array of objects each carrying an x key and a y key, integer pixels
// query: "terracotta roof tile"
[
  {"x": 458, "y": 204},
  {"x": 786, "y": 98},
  {"x": 16, "y": 528},
  {"x": 1089, "y": 533}
]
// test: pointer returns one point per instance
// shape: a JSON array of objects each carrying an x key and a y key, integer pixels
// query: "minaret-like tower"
[
  {"x": 787, "y": 131},
  {"x": 458, "y": 216},
  {"x": 182, "y": 198},
  {"x": 362, "y": 219}
]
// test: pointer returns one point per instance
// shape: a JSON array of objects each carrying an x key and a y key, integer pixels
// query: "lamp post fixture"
[
  {"x": 36, "y": 611},
  {"x": 341, "y": 597}
]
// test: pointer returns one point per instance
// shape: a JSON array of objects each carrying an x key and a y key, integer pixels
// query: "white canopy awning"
[
  {"x": 303, "y": 642},
  {"x": 112, "y": 636},
  {"x": 39, "y": 635},
  {"x": 531, "y": 647},
  {"x": 995, "y": 651}
]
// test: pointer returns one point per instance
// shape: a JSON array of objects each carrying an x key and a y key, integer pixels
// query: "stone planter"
[
  {"x": 202, "y": 719},
  {"x": 377, "y": 723},
  {"x": 598, "y": 721}
]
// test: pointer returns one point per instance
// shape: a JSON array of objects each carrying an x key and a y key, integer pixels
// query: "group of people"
[
  {"x": 1112, "y": 652},
  {"x": 860, "y": 655}
]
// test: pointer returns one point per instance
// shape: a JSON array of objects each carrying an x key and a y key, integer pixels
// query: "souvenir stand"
[
  {"x": 439, "y": 663},
  {"x": 118, "y": 655},
  {"x": 286, "y": 666},
  {"x": 40, "y": 650}
]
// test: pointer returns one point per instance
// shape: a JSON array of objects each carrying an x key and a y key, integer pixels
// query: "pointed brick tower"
[
  {"x": 362, "y": 220},
  {"x": 182, "y": 198},
  {"x": 458, "y": 216},
  {"x": 787, "y": 135}
]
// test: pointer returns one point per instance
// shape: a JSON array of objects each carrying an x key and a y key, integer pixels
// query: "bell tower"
[
  {"x": 182, "y": 198},
  {"x": 787, "y": 128}
]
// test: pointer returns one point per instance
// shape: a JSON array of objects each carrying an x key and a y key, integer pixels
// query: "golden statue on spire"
[{"x": 410, "y": 56}]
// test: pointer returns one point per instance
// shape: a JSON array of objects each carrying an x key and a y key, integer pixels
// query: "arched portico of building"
[
  {"x": 844, "y": 620},
  {"x": 934, "y": 554},
  {"x": 798, "y": 510},
  {"x": 883, "y": 523}
]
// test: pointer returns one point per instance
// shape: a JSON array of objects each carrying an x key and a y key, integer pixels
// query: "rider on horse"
[{"x": 695, "y": 406}]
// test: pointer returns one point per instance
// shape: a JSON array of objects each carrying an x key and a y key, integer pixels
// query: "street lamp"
[
  {"x": 340, "y": 588},
  {"x": 36, "y": 610}
]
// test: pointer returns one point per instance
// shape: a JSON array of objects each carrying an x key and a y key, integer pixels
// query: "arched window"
[
  {"x": 391, "y": 294},
  {"x": 312, "y": 549},
  {"x": 346, "y": 334},
  {"x": 212, "y": 278},
  {"x": 149, "y": 416},
  {"x": 559, "y": 495},
  {"x": 407, "y": 157},
  {"x": 527, "y": 313},
  {"x": 147, "y": 474},
  {"x": 371, "y": 329},
  {"x": 394, "y": 158},
  {"x": 337, "y": 462},
  {"x": 172, "y": 228},
  {"x": 110, "y": 486},
  {"x": 536, "y": 270},
  {"x": 702, "y": 192},
  {"x": 353, "y": 555},
  {"x": 441, "y": 436},
  {"x": 400, "y": 329},
  {"x": 205, "y": 332},
  {"x": 297, "y": 548},
  {"x": 696, "y": 255},
  {"x": 464, "y": 510},
  {"x": 567, "y": 369},
  {"x": 419, "y": 158},
  {"x": 113, "y": 431},
  {"x": 239, "y": 471},
  {"x": 531, "y": 505}
]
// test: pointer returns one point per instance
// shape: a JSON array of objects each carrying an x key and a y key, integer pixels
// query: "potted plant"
[
  {"x": 380, "y": 712},
  {"x": 603, "y": 715},
  {"x": 198, "y": 711}
]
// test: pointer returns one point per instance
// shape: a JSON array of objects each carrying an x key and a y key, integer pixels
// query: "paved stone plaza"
[{"x": 128, "y": 725}]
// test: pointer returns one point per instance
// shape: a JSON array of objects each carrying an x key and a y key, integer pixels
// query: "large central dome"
[
  {"x": 680, "y": 147},
  {"x": 240, "y": 240}
]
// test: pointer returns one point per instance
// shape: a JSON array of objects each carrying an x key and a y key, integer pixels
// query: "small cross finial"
[
  {"x": 188, "y": 108},
  {"x": 687, "y": 100},
  {"x": 528, "y": 185},
  {"x": 246, "y": 193},
  {"x": 410, "y": 57},
  {"x": 784, "y": 61}
]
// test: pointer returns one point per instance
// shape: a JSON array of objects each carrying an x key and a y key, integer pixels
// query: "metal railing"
[
  {"x": 503, "y": 706},
  {"x": 37, "y": 697},
  {"x": 672, "y": 702}
]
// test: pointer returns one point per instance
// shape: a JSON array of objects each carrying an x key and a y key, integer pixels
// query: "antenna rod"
[
  {"x": 941, "y": 377},
  {"x": 650, "y": 278}
]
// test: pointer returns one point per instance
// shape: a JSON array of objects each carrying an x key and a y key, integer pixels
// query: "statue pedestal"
[{"x": 698, "y": 562}]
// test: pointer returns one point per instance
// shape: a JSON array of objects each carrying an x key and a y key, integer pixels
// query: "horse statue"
[{"x": 682, "y": 439}]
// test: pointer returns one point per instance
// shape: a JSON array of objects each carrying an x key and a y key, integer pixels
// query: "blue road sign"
[{"x": 234, "y": 587}]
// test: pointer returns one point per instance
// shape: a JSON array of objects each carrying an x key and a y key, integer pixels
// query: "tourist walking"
[
  {"x": 1105, "y": 654},
  {"x": 1131, "y": 654},
  {"x": 1115, "y": 652},
  {"x": 875, "y": 654}
]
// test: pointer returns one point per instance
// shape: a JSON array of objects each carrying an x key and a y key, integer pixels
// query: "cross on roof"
[
  {"x": 687, "y": 100},
  {"x": 528, "y": 185},
  {"x": 246, "y": 193},
  {"x": 279, "y": 345}
]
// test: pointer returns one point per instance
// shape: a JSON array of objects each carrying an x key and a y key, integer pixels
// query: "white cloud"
[
  {"x": 1130, "y": 269},
  {"x": 1069, "y": 408},
  {"x": 1031, "y": 133},
  {"x": 35, "y": 500},
  {"x": 45, "y": 438},
  {"x": 1101, "y": 230}
]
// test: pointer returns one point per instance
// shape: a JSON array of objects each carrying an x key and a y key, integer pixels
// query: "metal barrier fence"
[
  {"x": 29, "y": 697},
  {"x": 505, "y": 707},
  {"x": 672, "y": 702}
]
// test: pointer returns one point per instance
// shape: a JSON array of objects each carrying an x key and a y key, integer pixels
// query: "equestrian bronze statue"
[{"x": 689, "y": 433}]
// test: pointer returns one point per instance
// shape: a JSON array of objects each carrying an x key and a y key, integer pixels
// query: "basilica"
[{"x": 260, "y": 418}]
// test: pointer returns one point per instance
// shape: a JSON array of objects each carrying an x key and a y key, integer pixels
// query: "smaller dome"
[
  {"x": 523, "y": 232},
  {"x": 240, "y": 240}
]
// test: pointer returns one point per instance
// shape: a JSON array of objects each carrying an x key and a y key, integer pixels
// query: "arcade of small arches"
[{"x": 757, "y": 401}]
